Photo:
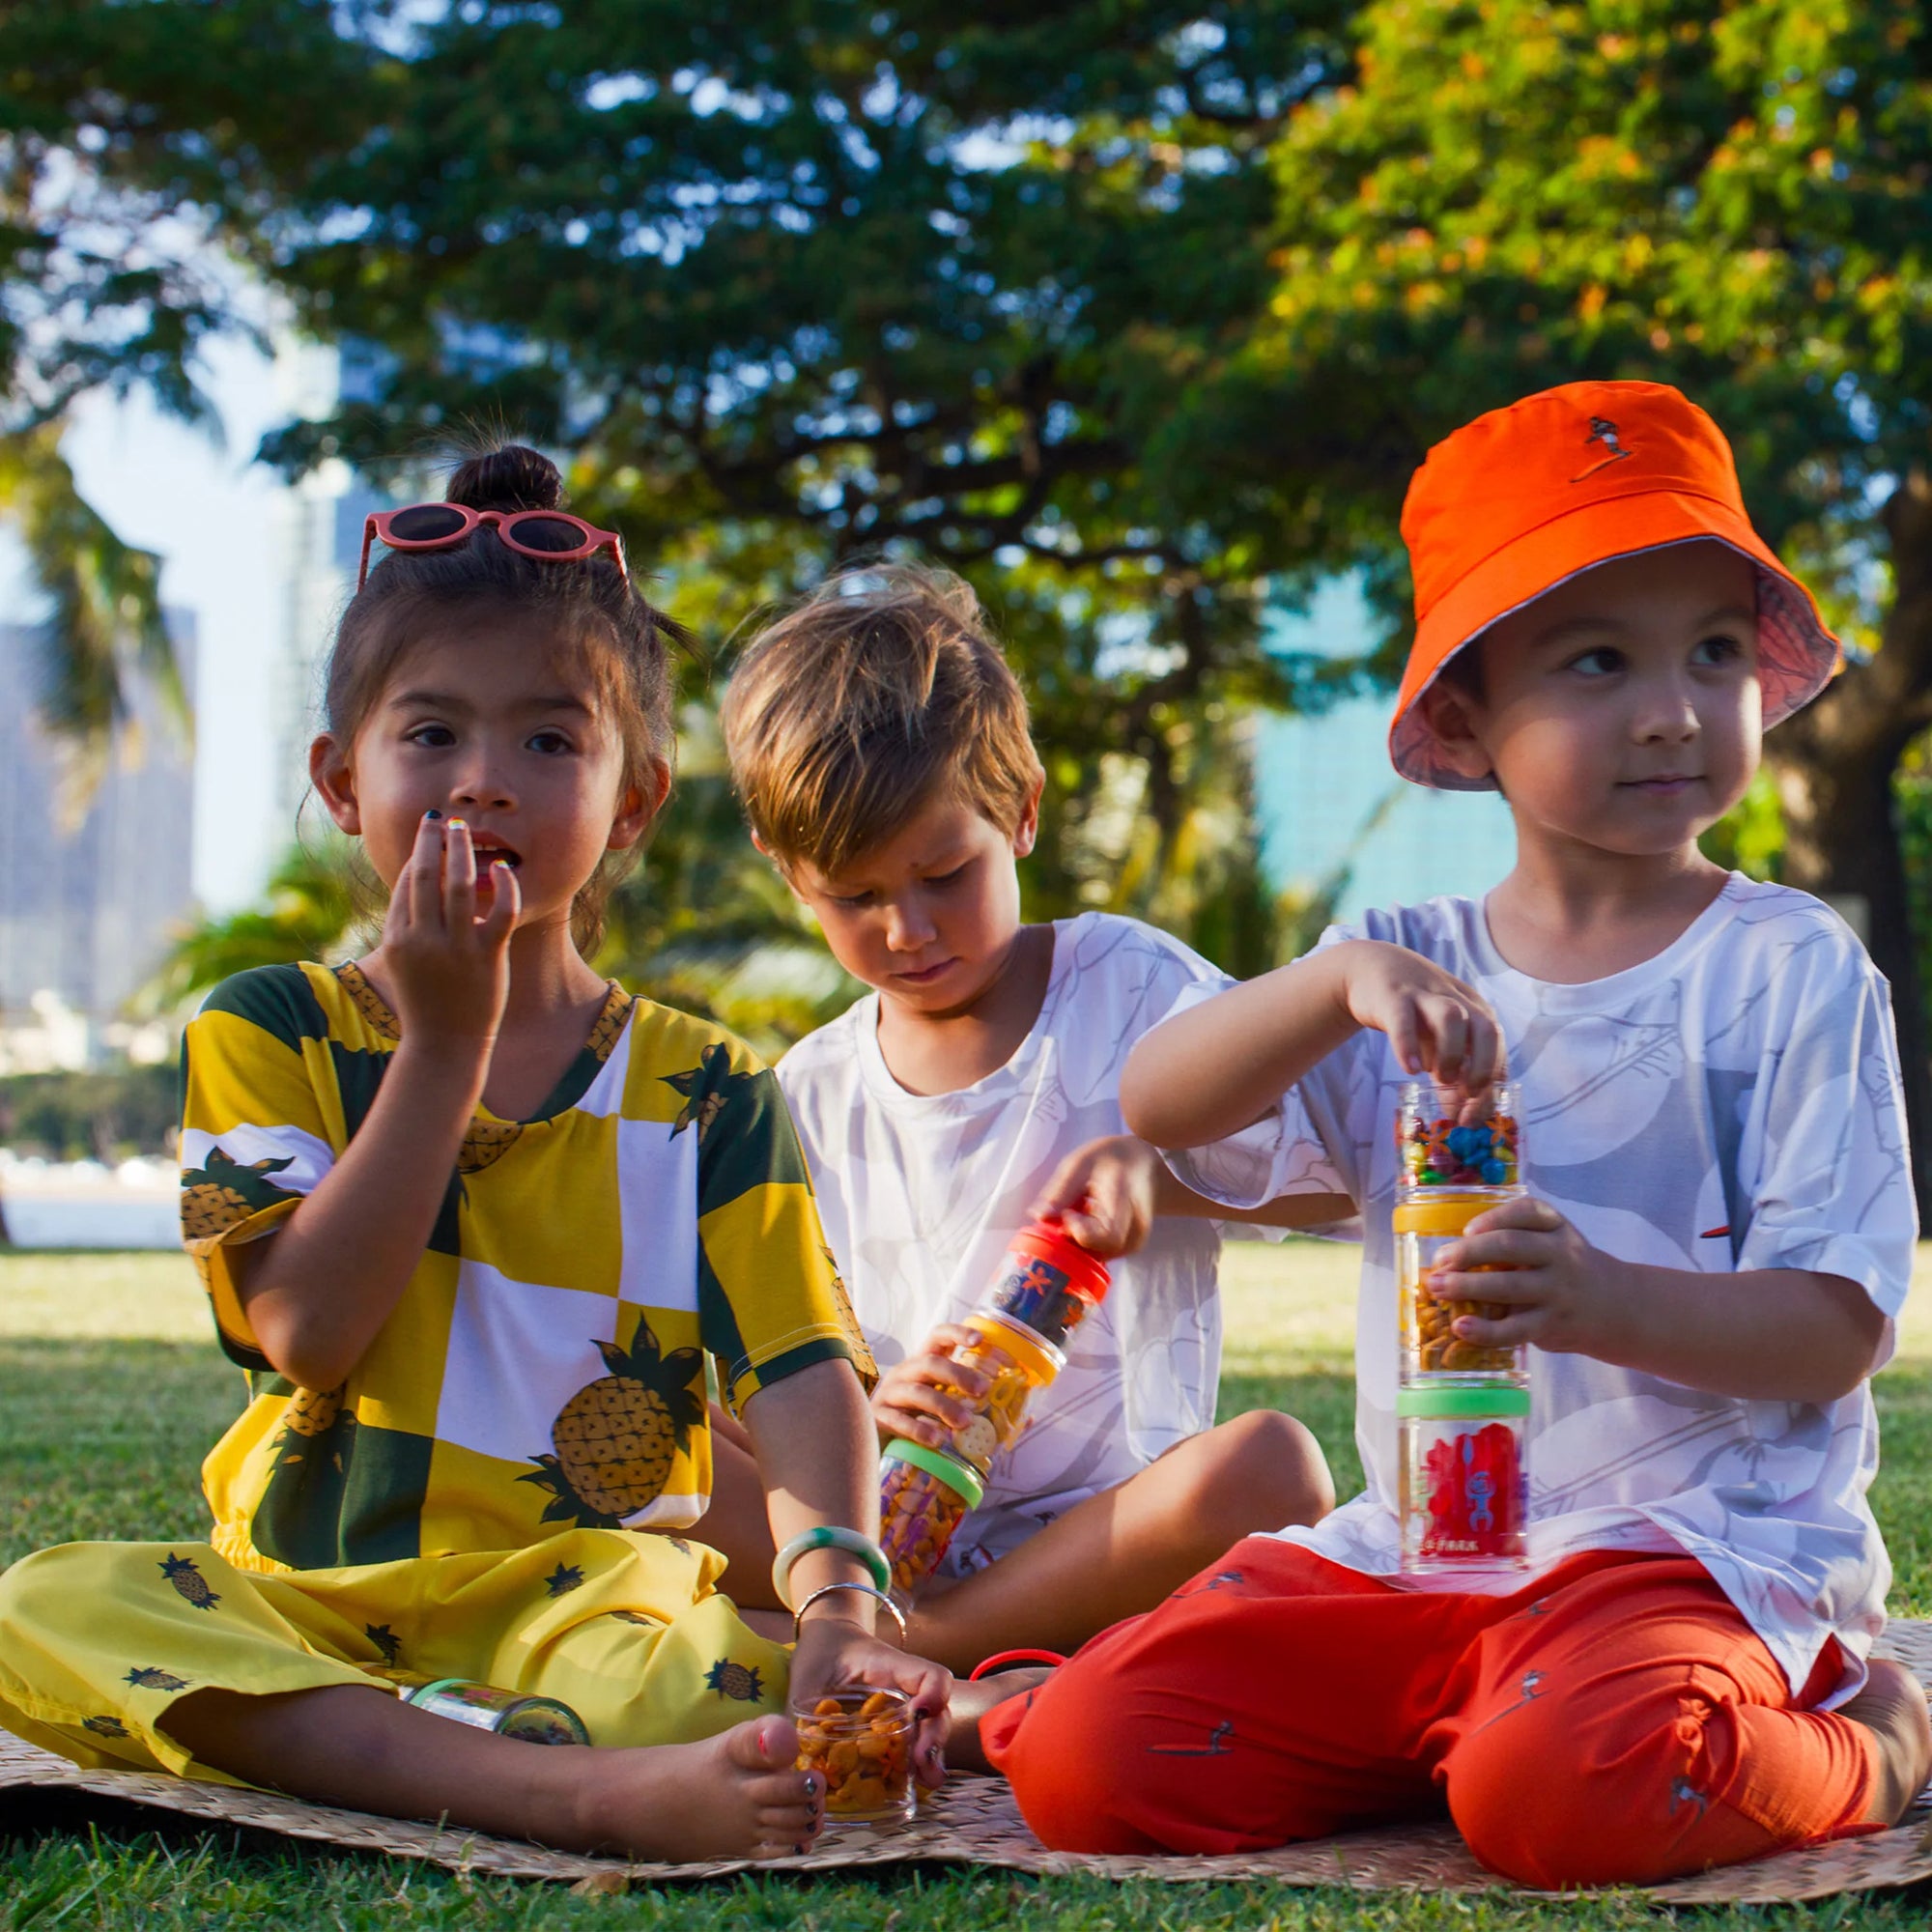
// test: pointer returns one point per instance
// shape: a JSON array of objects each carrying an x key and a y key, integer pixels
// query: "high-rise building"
[
  {"x": 86, "y": 905},
  {"x": 319, "y": 521},
  {"x": 1331, "y": 806}
]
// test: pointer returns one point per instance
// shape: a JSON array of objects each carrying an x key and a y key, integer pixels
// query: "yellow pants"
[{"x": 98, "y": 1639}]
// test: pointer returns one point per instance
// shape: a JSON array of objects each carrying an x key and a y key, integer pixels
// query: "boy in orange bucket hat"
[{"x": 1717, "y": 1238}]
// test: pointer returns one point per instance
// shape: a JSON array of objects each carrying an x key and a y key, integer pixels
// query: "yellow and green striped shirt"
[{"x": 545, "y": 1365}]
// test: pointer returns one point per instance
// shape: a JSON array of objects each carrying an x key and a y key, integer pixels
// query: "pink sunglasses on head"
[{"x": 551, "y": 536}]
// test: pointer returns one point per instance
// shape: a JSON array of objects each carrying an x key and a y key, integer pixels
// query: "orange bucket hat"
[{"x": 1520, "y": 500}]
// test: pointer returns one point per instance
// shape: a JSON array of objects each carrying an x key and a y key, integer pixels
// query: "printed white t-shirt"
[
  {"x": 1731, "y": 1104},
  {"x": 919, "y": 1195}
]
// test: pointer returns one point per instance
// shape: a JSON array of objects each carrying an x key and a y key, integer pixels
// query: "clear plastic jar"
[
  {"x": 1449, "y": 1174},
  {"x": 1424, "y": 1227},
  {"x": 1047, "y": 1286},
  {"x": 861, "y": 1742},
  {"x": 924, "y": 1496},
  {"x": 1463, "y": 1494},
  {"x": 1436, "y": 1149}
]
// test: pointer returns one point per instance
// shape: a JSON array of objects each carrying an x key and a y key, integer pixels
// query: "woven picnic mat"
[{"x": 974, "y": 1821}]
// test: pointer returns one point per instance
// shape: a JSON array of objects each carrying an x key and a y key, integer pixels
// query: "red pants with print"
[{"x": 1614, "y": 1721}]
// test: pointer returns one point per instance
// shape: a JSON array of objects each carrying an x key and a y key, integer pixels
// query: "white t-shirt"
[
  {"x": 919, "y": 1195},
  {"x": 1731, "y": 1104}
]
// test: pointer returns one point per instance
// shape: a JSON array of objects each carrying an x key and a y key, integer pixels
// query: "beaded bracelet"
[
  {"x": 829, "y": 1536},
  {"x": 863, "y": 1589}
]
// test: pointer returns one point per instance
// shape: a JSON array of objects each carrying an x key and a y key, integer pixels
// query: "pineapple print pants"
[{"x": 98, "y": 1639}]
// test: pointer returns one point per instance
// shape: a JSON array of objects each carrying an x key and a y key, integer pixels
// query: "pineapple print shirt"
[{"x": 546, "y": 1364}]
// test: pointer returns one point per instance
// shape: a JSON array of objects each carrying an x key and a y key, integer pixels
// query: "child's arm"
[
  {"x": 1108, "y": 1194},
  {"x": 318, "y": 1289},
  {"x": 1765, "y": 1335},
  {"x": 816, "y": 1451},
  {"x": 1220, "y": 1066}
]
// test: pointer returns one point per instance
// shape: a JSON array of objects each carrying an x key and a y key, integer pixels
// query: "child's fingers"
[
  {"x": 1512, "y": 1332},
  {"x": 1449, "y": 1030},
  {"x": 506, "y": 901},
  {"x": 459, "y": 878},
  {"x": 1404, "y": 1037},
  {"x": 1513, "y": 1285},
  {"x": 418, "y": 891}
]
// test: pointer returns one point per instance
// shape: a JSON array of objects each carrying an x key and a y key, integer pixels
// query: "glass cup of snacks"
[{"x": 860, "y": 1742}]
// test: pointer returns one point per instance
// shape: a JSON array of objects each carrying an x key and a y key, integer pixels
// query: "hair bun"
[{"x": 514, "y": 477}]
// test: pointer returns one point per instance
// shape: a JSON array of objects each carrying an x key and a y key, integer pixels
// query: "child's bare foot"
[
  {"x": 969, "y": 1704},
  {"x": 737, "y": 1795},
  {"x": 1891, "y": 1707}
]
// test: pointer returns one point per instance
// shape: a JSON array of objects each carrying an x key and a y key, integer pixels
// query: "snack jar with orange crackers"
[
  {"x": 1448, "y": 1173},
  {"x": 1048, "y": 1285},
  {"x": 861, "y": 1742}
]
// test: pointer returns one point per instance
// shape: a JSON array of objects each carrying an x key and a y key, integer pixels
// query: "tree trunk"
[{"x": 1835, "y": 763}]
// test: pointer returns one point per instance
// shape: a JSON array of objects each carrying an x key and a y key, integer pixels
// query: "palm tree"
[{"x": 106, "y": 624}]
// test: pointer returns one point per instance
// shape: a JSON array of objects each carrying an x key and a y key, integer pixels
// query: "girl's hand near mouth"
[{"x": 449, "y": 966}]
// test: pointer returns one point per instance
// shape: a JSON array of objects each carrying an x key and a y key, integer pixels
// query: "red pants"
[{"x": 1615, "y": 1721}]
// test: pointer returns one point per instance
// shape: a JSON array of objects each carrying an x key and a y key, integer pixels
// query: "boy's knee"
[
  {"x": 1060, "y": 1750},
  {"x": 1261, "y": 1472},
  {"x": 1549, "y": 1801}
]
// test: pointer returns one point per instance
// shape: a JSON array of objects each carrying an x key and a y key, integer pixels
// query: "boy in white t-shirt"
[
  {"x": 1718, "y": 1236},
  {"x": 880, "y": 744}
]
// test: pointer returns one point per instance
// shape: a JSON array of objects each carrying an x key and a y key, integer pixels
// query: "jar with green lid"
[
  {"x": 924, "y": 1496},
  {"x": 1462, "y": 1476}
]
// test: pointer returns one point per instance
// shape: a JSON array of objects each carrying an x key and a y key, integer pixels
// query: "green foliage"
[
  {"x": 321, "y": 904},
  {"x": 105, "y": 620},
  {"x": 803, "y": 283},
  {"x": 105, "y": 1115}
]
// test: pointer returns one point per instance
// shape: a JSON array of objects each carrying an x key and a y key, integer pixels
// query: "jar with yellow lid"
[{"x": 1449, "y": 1172}]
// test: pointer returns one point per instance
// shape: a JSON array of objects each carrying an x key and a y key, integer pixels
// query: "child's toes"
[{"x": 762, "y": 1744}]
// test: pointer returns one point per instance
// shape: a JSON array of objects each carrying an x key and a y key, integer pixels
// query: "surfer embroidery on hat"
[{"x": 1604, "y": 431}]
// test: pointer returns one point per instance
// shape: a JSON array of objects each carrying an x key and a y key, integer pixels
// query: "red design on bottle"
[{"x": 1475, "y": 1493}]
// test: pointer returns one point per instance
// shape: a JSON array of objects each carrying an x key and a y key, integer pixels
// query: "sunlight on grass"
[{"x": 111, "y": 1390}]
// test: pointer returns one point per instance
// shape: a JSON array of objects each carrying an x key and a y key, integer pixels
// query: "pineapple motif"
[
  {"x": 616, "y": 1437},
  {"x": 385, "y": 1640},
  {"x": 486, "y": 1144},
  {"x": 151, "y": 1677},
  {"x": 310, "y": 1415},
  {"x": 707, "y": 1090},
  {"x": 862, "y": 1359},
  {"x": 369, "y": 1003},
  {"x": 734, "y": 1680},
  {"x": 610, "y": 1023},
  {"x": 638, "y": 1617},
  {"x": 224, "y": 1192},
  {"x": 105, "y": 1728},
  {"x": 564, "y": 1578},
  {"x": 189, "y": 1581}
]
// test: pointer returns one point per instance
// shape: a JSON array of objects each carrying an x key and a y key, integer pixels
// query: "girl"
[{"x": 471, "y": 1218}]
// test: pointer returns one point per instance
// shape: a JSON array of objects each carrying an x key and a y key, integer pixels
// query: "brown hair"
[
  {"x": 594, "y": 613},
  {"x": 882, "y": 690}
]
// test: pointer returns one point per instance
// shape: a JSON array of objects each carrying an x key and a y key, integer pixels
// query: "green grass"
[{"x": 111, "y": 1392}]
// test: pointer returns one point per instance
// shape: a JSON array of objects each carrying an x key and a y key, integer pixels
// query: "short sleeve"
[
  {"x": 1298, "y": 1147},
  {"x": 254, "y": 1136},
  {"x": 1832, "y": 1192},
  {"x": 770, "y": 1299}
]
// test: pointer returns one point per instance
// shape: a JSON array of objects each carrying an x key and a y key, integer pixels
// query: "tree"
[
  {"x": 801, "y": 283},
  {"x": 1733, "y": 196},
  {"x": 113, "y": 119}
]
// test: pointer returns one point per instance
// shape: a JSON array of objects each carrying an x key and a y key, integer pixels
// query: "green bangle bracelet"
[{"x": 829, "y": 1536}]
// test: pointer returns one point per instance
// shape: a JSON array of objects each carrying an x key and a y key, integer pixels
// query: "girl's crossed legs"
[{"x": 1615, "y": 1721}]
